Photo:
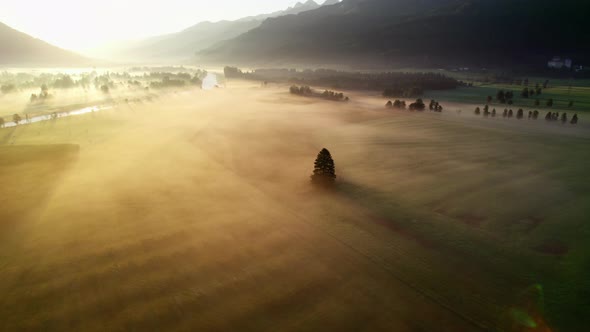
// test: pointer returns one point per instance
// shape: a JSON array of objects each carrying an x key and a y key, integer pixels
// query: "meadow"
[{"x": 194, "y": 211}]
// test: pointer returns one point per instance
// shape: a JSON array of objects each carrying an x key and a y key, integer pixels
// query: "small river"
[{"x": 209, "y": 82}]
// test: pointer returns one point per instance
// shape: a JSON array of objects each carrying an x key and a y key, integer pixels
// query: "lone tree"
[
  {"x": 16, "y": 118},
  {"x": 324, "y": 171}
]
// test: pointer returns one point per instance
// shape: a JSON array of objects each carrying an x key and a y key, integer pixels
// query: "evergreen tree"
[
  {"x": 574, "y": 119},
  {"x": 477, "y": 111},
  {"x": 494, "y": 113},
  {"x": 520, "y": 114},
  {"x": 324, "y": 171},
  {"x": 510, "y": 113},
  {"x": 389, "y": 104},
  {"x": 564, "y": 118}
]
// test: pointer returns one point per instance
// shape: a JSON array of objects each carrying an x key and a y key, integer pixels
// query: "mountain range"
[
  {"x": 20, "y": 49},
  {"x": 380, "y": 33},
  {"x": 416, "y": 32},
  {"x": 183, "y": 45}
]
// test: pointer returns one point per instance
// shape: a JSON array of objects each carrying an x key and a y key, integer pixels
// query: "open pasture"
[{"x": 195, "y": 212}]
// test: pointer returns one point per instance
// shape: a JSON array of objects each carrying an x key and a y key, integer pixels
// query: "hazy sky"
[{"x": 81, "y": 24}]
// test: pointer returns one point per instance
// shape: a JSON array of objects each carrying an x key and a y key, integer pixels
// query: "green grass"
[
  {"x": 195, "y": 213},
  {"x": 478, "y": 94}
]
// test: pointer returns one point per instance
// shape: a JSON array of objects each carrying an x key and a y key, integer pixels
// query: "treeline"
[
  {"x": 168, "y": 69},
  {"x": 10, "y": 82},
  {"x": 418, "y": 105},
  {"x": 507, "y": 97},
  {"x": 520, "y": 114},
  {"x": 307, "y": 91},
  {"x": 393, "y": 84}
]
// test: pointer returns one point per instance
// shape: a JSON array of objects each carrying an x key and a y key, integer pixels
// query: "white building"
[{"x": 559, "y": 63}]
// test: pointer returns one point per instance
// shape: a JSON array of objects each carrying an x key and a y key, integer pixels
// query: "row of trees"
[
  {"x": 418, "y": 105},
  {"x": 15, "y": 118},
  {"x": 332, "y": 95},
  {"x": 526, "y": 93},
  {"x": 523, "y": 82},
  {"x": 520, "y": 114},
  {"x": 504, "y": 97},
  {"x": 307, "y": 91},
  {"x": 10, "y": 82},
  {"x": 393, "y": 84},
  {"x": 555, "y": 117},
  {"x": 397, "y": 104},
  {"x": 303, "y": 90}
]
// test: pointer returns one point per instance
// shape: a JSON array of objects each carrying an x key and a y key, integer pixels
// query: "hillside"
[
  {"x": 185, "y": 44},
  {"x": 441, "y": 32},
  {"x": 20, "y": 49}
]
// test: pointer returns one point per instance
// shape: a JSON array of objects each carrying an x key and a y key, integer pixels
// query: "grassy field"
[
  {"x": 561, "y": 95},
  {"x": 194, "y": 212}
]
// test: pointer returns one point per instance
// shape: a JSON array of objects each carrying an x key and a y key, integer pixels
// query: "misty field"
[{"x": 194, "y": 212}]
